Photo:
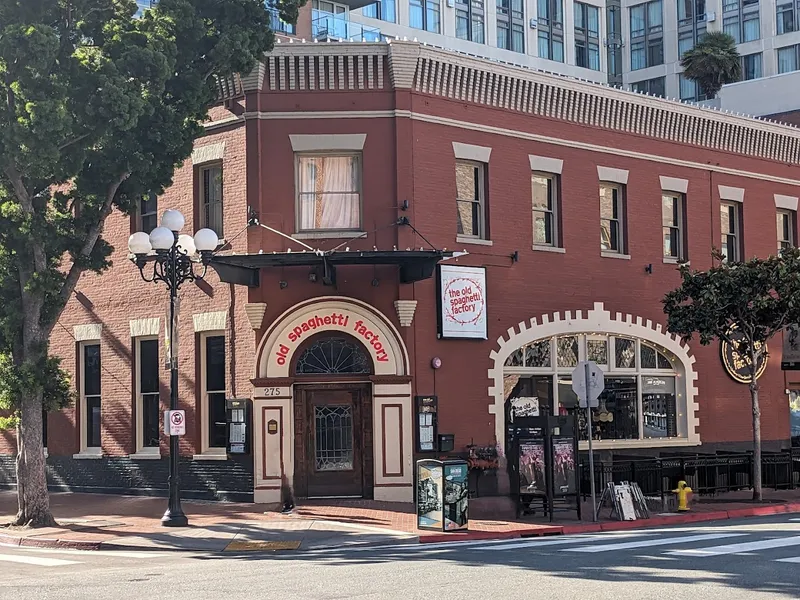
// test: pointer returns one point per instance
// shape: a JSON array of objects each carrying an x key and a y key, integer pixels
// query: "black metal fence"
[{"x": 707, "y": 474}]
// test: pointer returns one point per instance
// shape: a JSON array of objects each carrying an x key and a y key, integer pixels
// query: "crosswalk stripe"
[
  {"x": 561, "y": 541},
  {"x": 119, "y": 553},
  {"x": 738, "y": 548},
  {"x": 654, "y": 542},
  {"x": 36, "y": 560},
  {"x": 793, "y": 559}
]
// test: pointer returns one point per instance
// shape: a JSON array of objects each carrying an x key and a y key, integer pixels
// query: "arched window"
[
  {"x": 644, "y": 395},
  {"x": 334, "y": 355}
]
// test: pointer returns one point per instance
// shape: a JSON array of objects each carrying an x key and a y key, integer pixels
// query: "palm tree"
[{"x": 713, "y": 62}]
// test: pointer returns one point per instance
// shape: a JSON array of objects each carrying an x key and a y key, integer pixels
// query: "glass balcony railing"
[{"x": 327, "y": 26}]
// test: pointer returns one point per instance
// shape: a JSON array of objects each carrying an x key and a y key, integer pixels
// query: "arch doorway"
[
  {"x": 332, "y": 404},
  {"x": 333, "y": 418}
]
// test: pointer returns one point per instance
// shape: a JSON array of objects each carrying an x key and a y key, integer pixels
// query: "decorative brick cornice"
[
  {"x": 255, "y": 313},
  {"x": 428, "y": 70}
]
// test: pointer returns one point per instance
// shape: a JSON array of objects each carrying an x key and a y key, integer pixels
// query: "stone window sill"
[
  {"x": 89, "y": 454},
  {"x": 555, "y": 249},
  {"x": 465, "y": 239},
  {"x": 144, "y": 455},
  {"x": 615, "y": 255},
  {"x": 323, "y": 235},
  {"x": 211, "y": 455}
]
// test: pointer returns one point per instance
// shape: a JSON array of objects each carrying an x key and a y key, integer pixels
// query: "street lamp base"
[{"x": 174, "y": 519}]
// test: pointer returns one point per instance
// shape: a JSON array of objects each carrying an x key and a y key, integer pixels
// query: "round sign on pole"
[{"x": 175, "y": 422}]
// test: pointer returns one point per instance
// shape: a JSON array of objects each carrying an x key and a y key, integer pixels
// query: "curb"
[
  {"x": 26, "y": 542},
  {"x": 721, "y": 515}
]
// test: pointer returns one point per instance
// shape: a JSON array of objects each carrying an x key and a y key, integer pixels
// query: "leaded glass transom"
[
  {"x": 625, "y": 350},
  {"x": 567, "y": 351},
  {"x": 334, "y": 355}
]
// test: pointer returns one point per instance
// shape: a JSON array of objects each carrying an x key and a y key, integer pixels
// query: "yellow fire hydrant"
[{"x": 683, "y": 493}]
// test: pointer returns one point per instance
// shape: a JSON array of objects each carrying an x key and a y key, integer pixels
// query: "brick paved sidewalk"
[{"x": 94, "y": 520}]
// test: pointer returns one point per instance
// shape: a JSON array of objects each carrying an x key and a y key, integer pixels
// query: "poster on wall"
[
  {"x": 790, "y": 361},
  {"x": 430, "y": 495},
  {"x": 462, "y": 302},
  {"x": 456, "y": 494}
]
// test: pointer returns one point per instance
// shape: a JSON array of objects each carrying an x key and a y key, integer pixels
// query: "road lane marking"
[
  {"x": 739, "y": 548},
  {"x": 793, "y": 559},
  {"x": 37, "y": 560},
  {"x": 117, "y": 553},
  {"x": 652, "y": 542},
  {"x": 562, "y": 541}
]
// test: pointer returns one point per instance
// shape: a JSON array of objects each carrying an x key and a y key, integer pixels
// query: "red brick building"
[{"x": 556, "y": 209}]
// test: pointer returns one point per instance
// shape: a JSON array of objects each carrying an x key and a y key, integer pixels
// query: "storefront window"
[
  {"x": 643, "y": 396},
  {"x": 794, "y": 416}
]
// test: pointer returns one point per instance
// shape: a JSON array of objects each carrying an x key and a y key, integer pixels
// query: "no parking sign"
[{"x": 175, "y": 422}]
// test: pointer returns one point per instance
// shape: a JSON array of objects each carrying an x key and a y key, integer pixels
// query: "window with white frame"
[
  {"x": 644, "y": 396},
  {"x": 329, "y": 192},
  {"x": 544, "y": 191},
  {"x": 785, "y": 220},
  {"x": 471, "y": 198},
  {"x": 672, "y": 219},
  {"x": 147, "y": 213},
  {"x": 90, "y": 395},
  {"x": 612, "y": 218},
  {"x": 213, "y": 379},
  {"x": 148, "y": 398},
  {"x": 730, "y": 222},
  {"x": 211, "y": 201}
]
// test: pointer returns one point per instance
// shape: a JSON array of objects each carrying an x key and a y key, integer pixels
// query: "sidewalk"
[{"x": 93, "y": 521}]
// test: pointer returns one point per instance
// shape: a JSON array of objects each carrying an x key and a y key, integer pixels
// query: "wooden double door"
[{"x": 333, "y": 441}]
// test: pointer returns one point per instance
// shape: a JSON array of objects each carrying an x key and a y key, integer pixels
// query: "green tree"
[
  {"x": 98, "y": 108},
  {"x": 744, "y": 304},
  {"x": 713, "y": 62}
]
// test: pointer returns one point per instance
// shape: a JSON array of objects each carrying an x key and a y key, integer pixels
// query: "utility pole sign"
[
  {"x": 175, "y": 422},
  {"x": 588, "y": 382}
]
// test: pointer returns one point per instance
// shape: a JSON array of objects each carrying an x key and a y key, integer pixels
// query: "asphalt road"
[{"x": 731, "y": 560}]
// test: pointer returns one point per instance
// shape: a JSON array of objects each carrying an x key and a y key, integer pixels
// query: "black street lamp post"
[{"x": 173, "y": 263}]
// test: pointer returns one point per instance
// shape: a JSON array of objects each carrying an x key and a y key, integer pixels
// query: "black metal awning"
[{"x": 243, "y": 269}]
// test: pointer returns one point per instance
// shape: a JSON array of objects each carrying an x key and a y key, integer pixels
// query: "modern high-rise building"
[{"x": 630, "y": 43}]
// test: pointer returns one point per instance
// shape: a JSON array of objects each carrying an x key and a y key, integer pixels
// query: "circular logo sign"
[
  {"x": 176, "y": 418},
  {"x": 736, "y": 362},
  {"x": 464, "y": 300}
]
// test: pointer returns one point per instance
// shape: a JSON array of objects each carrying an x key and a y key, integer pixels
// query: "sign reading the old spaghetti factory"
[
  {"x": 462, "y": 302},
  {"x": 338, "y": 320}
]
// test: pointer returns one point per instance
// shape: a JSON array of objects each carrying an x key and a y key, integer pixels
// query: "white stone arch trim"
[
  {"x": 600, "y": 320},
  {"x": 396, "y": 362}
]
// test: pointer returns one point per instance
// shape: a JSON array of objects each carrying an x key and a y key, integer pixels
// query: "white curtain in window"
[
  {"x": 654, "y": 15},
  {"x": 752, "y": 30},
  {"x": 787, "y": 59},
  {"x": 329, "y": 197}
]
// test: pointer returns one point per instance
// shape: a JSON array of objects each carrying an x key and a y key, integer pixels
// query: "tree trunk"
[
  {"x": 34, "y": 502},
  {"x": 757, "y": 495}
]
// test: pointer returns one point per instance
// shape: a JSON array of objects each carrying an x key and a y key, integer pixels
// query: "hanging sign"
[
  {"x": 736, "y": 363},
  {"x": 790, "y": 361},
  {"x": 462, "y": 302}
]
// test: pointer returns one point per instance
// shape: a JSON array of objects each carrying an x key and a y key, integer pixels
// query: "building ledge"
[
  {"x": 211, "y": 455},
  {"x": 145, "y": 455},
  {"x": 465, "y": 239},
  {"x": 555, "y": 249},
  {"x": 89, "y": 454},
  {"x": 615, "y": 255}
]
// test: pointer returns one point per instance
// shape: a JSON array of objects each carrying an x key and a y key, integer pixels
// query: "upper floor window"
[
  {"x": 786, "y": 228},
  {"x": 425, "y": 14},
  {"x": 277, "y": 24},
  {"x": 691, "y": 24},
  {"x": 654, "y": 87},
  {"x": 689, "y": 89},
  {"x": 511, "y": 25},
  {"x": 384, "y": 10},
  {"x": 470, "y": 19},
  {"x": 90, "y": 396},
  {"x": 147, "y": 213},
  {"x": 211, "y": 198},
  {"x": 788, "y": 59},
  {"x": 544, "y": 188},
  {"x": 730, "y": 221},
  {"x": 329, "y": 192},
  {"x": 740, "y": 20},
  {"x": 647, "y": 35},
  {"x": 788, "y": 16},
  {"x": 550, "y": 17},
  {"x": 612, "y": 218},
  {"x": 587, "y": 36},
  {"x": 672, "y": 220},
  {"x": 471, "y": 198},
  {"x": 751, "y": 66},
  {"x": 142, "y": 5}
]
